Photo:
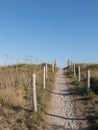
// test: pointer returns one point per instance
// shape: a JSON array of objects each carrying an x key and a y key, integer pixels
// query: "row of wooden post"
[
  {"x": 73, "y": 68},
  {"x": 45, "y": 76}
]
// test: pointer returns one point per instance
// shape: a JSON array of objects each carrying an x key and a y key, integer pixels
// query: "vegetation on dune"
[
  {"x": 93, "y": 95},
  {"x": 16, "y": 96},
  {"x": 94, "y": 75}
]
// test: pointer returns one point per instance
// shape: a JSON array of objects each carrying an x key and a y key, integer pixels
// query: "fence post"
[
  {"x": 79, "y": 74},
  {"x": 74, "y": 70},
  {"x": 88, "y": 81},
  {"x": 53, "y": 67},
  {"x": 34, "y": 93},
  {"x": 55, "y": 63},
  {"x": 68, "y": 63},
  {"x": 71, "y": 66},
  {"x": 46, "y": 71},
  {"x": 44, "y": 77}
]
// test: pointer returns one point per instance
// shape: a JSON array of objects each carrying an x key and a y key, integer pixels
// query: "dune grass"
[
  {"x": 93, "y": 95},
  {"x": 16, "y": 111}
]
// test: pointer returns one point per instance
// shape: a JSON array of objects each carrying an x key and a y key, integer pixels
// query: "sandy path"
[{"x": 61, "y": 115}]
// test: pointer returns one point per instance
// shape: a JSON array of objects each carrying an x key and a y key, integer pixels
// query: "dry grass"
[
  {"x": 12, "y": 97},
  {"x": 90, "y": 101},
  {"x": 16, "y": 97},
  {"x": 92, "y": 67}
]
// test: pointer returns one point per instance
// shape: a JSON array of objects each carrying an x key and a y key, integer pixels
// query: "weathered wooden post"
[
  {"x": 68, "y": 63},
  {"x": 71, "y": 66},
  {"x": 53, "y": 66},
  {"x": 88, "y": 81},
  {"x": 46, "y": 71},
  {"x": 34, "y": 98},
  {"x": 44, "y": 77},
  {"x": 54, "y": 63},
  {"x": 79, "y": 74},
  {"x": 74, "y": 70}
]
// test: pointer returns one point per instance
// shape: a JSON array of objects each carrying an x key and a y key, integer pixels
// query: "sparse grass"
[
  {"x": 93, "y": 95},
  {"x": 16, "y": 97}
]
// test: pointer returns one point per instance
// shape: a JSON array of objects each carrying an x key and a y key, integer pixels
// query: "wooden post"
[
  {"x": 74, "y": 70},
  {"x": 88, "y": 81},
  {"x": 44, "y": 77},
  {"x": 55, "y": 63},
  {"x": 71, "y": 66},
  {"x": 79, "y": 74},
  {"x": 53, "y": 67},
  {"x": 46, "y": 71},
  {"x": 34, "y": 93},
  {"x": 68, "y": 63}
]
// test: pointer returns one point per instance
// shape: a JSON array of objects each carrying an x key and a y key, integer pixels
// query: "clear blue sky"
[{"x": 48, "y": 29}]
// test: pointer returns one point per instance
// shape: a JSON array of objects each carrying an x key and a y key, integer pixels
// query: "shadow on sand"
[
  {"x": 72, "y": 119},
  {"x": 58, "y": 127}
]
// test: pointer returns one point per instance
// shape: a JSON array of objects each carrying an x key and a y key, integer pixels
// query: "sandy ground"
[{"x": 61, "y": 115}]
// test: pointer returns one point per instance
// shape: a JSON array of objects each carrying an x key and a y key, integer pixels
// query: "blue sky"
[{"x": 48, "y": 29}]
